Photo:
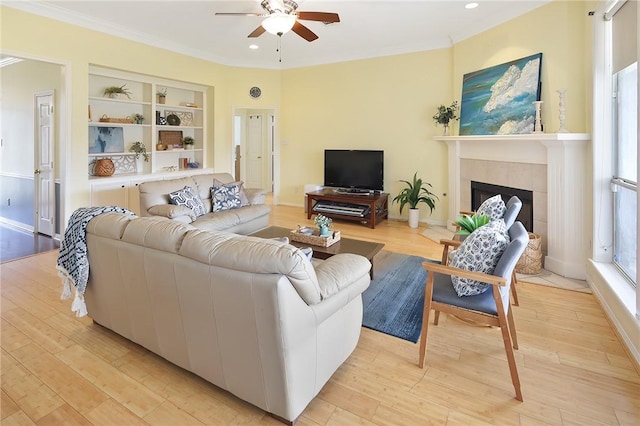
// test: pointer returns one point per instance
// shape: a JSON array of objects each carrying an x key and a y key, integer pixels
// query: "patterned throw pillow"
[
  {"x": 493, "y": 207},
  {"x": 225, "y": 197},
  {"x": 244, "y": 200},
  {"x": 479, "y": 252},
  {"x": 188, "y": 197}
]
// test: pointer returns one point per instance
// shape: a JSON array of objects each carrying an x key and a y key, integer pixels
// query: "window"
[{"x": 624, "y": 183}]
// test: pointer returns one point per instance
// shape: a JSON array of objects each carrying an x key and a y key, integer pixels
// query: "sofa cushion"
[
  {"x": 172, "y": 211},
  {"x": 244, "y": 199},
  {"x": 493, "y": 207},
  {"x": 227, "y": 219},
  {"x": 254, "y": 255},
  {"x": 479, "y": 252},
  {"x": 156, "y": 232},
  {"x": 188, "y": 197},
  {"x": 226, "y": 197}
]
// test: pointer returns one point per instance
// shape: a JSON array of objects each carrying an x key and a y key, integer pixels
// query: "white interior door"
[
  {"x": 254, "y": 158},
  {"x": 43, "y": 173}
]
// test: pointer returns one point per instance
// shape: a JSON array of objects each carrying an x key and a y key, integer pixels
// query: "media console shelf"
[{"x": 376, "y": 206}]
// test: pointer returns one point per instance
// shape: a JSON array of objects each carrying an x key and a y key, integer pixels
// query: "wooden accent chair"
[
  {"x": 514, "y": 205},
  {"x": 490, "y": 307}
]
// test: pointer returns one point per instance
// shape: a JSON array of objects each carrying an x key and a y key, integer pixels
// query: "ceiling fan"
[{"x": 282, "y": 16}]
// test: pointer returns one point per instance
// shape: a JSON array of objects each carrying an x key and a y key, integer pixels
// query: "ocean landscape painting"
[{"x": 499, "y": 100}]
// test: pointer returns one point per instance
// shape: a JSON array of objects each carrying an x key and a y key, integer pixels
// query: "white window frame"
[{"x": 619, "y": 299}]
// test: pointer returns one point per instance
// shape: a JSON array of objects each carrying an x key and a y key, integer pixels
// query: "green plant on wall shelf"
[
  {"x": 188, "y": 140},
  {"x": 115, "y": 91},
  {"x": 139, "y": 148}
]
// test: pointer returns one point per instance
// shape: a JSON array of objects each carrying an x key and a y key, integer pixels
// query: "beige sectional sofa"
[
  {"x": 154, "y": 201},
  {"x": 252, "y": 316}
]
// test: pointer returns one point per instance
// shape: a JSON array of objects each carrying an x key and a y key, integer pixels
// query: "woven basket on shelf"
[
  {"x": 104, "y": 167},
  {"x": 530, "y": 262}
]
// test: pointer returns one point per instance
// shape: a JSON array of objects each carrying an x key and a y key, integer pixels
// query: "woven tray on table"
[{"x": 315, "y": 239}]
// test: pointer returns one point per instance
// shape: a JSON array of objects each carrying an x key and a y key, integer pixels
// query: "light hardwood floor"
[{"x": 59, "y": 369}]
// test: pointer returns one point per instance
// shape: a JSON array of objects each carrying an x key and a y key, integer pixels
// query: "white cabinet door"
[{"x": 109, "y": 194}]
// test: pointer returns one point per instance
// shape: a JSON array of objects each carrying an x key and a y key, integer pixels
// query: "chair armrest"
[
  {"x": 256, "y": 195},
  {"x": 172, "y": 211},
  {"x": 468, "y": 213},
  {"x": 462, "y": 273},
  {"x": 445, "y": 251}
]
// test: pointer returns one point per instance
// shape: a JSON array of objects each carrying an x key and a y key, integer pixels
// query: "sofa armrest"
[
  {"x": 339, "y": 272},
  {"x": 349, "y": 273},
  {"x": 256, "y": 195},
  {"x": 171, "y": 211}
]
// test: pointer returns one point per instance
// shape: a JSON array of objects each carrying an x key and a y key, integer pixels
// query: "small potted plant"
[
  {"x": 188, "y": 142},
  {"x": 414, "y": 194},
  {"x": 139, "y": 148},
  {"x": 445, "y": 115},
  {"x": 117, "y": 92},
  {"x": 139, "y": 118},
  {"x": 323, "y": 223},
  {"x": 161, "y": 94},
  {"x": 468, "y": 224}
]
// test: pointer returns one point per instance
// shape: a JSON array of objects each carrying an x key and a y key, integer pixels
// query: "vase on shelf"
[{"x": 445, "y": 132}]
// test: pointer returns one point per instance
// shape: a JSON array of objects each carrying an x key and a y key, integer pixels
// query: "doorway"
[
  {"x": 31, "y": 188},
  {"x": 255, "y": 148}
]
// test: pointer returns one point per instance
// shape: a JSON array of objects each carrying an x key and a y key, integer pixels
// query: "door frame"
[
  {"x": 63, "y": 131},
  {"x": 273, "y": 130}
]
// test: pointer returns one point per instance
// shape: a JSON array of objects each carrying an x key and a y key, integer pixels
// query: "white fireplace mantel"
[{"x": 565, "y": 156}]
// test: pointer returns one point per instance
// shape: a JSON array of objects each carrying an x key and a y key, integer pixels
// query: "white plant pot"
[{"x": 414, "y": 216}]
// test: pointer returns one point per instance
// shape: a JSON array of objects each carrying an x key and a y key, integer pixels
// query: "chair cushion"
[
  {"x": 444, "y": 292},
  {"x": 493, "y": 207},
  {"x": 188, "y": 197},
  {"x": 226, "y": 197},
  {"x": 479, "y": 252}
]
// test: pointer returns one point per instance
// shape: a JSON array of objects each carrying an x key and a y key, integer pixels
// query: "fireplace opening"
[{"x": 481, "y": 191}]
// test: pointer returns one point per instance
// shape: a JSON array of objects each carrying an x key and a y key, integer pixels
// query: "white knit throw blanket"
[{"x": 73, "y": 263}]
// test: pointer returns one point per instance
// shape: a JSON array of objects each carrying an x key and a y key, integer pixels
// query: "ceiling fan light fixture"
[{"x": 279, "y": 23}]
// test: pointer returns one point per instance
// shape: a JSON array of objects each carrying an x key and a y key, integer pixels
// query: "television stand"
[{"x": 369, "y": 208}]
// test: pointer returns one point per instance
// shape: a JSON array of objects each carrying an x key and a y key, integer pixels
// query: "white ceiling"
[{"x": 367, "y": 28}]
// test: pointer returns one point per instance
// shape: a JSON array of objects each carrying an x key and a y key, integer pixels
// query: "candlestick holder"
[{"x": 538, "y": 125}]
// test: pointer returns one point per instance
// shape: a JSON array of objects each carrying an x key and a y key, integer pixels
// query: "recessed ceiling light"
[
  {"x": 471, "y": 5},
  {"x": 254, "y": 46}
]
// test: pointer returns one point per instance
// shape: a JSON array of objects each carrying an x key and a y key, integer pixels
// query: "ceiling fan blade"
[
  {"x": 319, "y": 16},
  {"x": 304, "y": 32},
  {"x": 239, "y": 14},
  {"x": 257, "y": 32}
]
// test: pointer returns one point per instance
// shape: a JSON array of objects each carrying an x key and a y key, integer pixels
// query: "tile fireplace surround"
[{"x": 552, "y": 165}]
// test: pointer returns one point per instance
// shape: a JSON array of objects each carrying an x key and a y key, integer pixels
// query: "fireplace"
[
  {"x": 481, "y": 191},
  {"x": 552, "y": 165}
]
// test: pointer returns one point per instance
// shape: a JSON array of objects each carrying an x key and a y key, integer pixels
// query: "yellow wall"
[
  {"x": 561, "y": 31},
  {"x": 382, "y": 103},
  {"x": 42, "y": 38}
]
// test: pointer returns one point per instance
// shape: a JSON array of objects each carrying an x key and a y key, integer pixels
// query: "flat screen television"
[{"x": 354, "y": 170}]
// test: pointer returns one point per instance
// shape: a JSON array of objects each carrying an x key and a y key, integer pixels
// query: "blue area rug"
[{"x": 394, "y": 301}]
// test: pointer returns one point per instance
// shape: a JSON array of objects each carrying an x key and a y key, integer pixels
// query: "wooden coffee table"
[{"x": 345, "y": 245}]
